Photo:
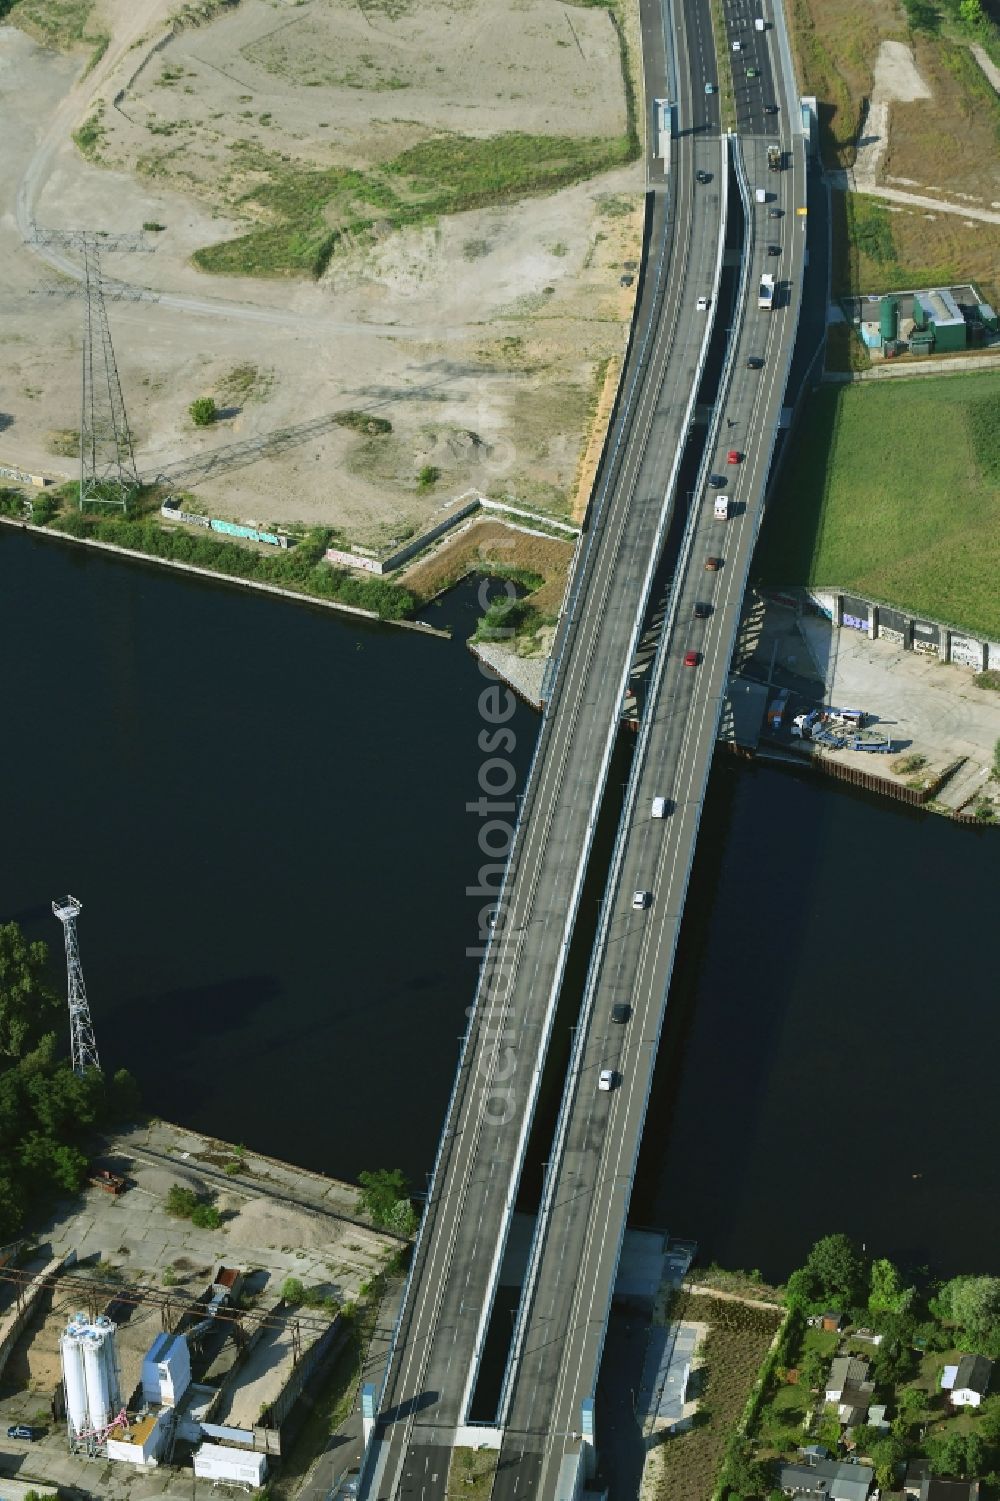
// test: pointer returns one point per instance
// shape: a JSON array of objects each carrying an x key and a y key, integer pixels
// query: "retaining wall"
[
  {"x": 13, "y": 1323},
  {"x": 880, "y": 621}
]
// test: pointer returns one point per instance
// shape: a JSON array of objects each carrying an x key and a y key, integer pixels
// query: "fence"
[{"x": 173, "y": 512}]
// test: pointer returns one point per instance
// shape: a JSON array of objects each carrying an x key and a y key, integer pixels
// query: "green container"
[
  {"x": 888, "y": 318},
  {"x": 919, "y": 314}
]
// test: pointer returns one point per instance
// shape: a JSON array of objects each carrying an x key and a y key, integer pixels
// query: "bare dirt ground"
[{"x": 481, "y": 336}]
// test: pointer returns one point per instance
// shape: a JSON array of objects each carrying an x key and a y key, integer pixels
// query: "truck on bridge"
[
  {"x": 775, "y": 159},
  {"x": 765, "y": 293}
]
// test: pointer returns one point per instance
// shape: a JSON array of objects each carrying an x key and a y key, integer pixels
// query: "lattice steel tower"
[
  {"x": 107, "y": 461},
  {"x": 83, "y": 1044}
]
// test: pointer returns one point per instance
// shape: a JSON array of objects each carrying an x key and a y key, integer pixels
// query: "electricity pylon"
[
  {"x": 107, "y": 461},
  {"x": 83, "y": 1044}
]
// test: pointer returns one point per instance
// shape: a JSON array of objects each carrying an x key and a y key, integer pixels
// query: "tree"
[
  {"x": 837, "y": 1269},
  {"x": 885, "y": 1456},
  {"x": 206, "y": 1216},
  {"x": 813, "y": 1369},
  {"x": 293, "y": 1292},
  {"x": 744, "y": 1474},
  {"x": 26, "y": 1002},
  {"x": 949, "y": 1457},
  {"x": 974, "y": 1303},
  {"x": 381, "y": 1192},
  {"x": 801, "y": 1290},
  {"x": 203, "y": 411},
  {"x": 971, "y": 12},
  {"x": 886, "y": 1292}
]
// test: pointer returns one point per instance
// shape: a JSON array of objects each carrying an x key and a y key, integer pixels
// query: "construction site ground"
[
  {"x": 483, "y": 336},
  {"x": 277, "y": 1219}
]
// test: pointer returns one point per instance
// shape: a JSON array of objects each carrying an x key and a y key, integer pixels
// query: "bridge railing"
[{"x": 551, "y": 1173}]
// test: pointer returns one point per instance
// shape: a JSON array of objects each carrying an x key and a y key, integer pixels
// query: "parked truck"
[
  {"x": 765, "y": 294},
  {"x": 775, "y": 159}
]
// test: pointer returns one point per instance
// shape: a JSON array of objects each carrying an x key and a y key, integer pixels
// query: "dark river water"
[{"x": 262, "y": 808}]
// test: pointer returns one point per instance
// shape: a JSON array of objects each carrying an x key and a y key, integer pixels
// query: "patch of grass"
[
  {"x": 364, "y": 422},
  {"x": 311, "y": 209},
  {"x": 90, "y": 137},
  {"x": 55, "y": 23},
  {"x": 471, "y": 1474},
  {"x": 64, "y": 441},
  {"x": 886, "y": 491},
  {"x": 101, "y": 45},
  {"x": 988, "y": 679},
  {"x": 245, "y": 382}
]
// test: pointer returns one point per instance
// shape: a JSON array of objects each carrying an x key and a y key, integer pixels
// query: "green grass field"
[
  {"x": 893, "y": 488},
  {"x": 309, "y": 210}
]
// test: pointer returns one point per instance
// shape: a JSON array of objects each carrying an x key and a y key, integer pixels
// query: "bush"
[
  {"x": 293, "y": 1292},
  {"x": 428, "y": 476},
  {"x": 181, "y": 1202},
  {"x": 203, "y": 411},
  {"x": 206, "y": 1217},
  {"x": 363, "y": 422}
]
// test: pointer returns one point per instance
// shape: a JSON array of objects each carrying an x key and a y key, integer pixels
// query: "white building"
[
  {"x": 142, "y": 1443},
  {"x": 166, "y": 1371},
  {"x": 972, "y": 1381},
  {"x": 242, "y": 1466}
]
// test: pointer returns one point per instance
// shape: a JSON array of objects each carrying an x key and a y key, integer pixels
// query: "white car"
[
  {"x": 607, "y": 1079},
  {"x": 641, "y": 899},
  {"x": 703, "y": 304},
  {"x": 737, "y": 46}
]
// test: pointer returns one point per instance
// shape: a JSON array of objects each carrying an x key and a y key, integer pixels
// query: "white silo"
[
  {"x": 98, "y": 1397},
  {"x": 109, "y": 1355},
  {"x": 74, "y": 1381}
]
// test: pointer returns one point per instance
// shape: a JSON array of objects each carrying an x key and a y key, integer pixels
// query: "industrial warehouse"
[{"x": 936, "y": 320}]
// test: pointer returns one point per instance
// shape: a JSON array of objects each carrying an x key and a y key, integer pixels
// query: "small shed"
[
  {"x": 142, "y": 1442},
  {"x": 831, "y": 1320}
]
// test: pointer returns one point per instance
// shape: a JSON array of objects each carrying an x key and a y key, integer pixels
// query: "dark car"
[
  {"x": 717, "y": 481},
  {"x": 754, "y": 362},
  {"x": 753, "y": 72},
  {"x": 770, "y": 109},
  {"x": 21, "y": 1430},
  {"x": 703, "y": 176},
  {"x": 775, "y": 213},
  {"x": 774, "y": 249},
  {"x": 713, "y": 564},
  {"x": 621, "y": 1012},
  {"x": 702, "y": 610}
]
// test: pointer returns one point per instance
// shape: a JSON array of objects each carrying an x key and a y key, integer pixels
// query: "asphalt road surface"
[
  {"x": 448, "y": 1302},
  {"x": 579, "y": 1238}
]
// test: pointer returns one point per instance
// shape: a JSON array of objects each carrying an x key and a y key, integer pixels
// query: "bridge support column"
[
  {"x": 589, "y": 1437},
  {"x": 367, "y": 1412}
]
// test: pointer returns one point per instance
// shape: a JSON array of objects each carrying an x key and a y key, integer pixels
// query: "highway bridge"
[{"x": 424, "y": 1408}]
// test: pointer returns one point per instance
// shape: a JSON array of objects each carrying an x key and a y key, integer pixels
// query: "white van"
[
  {"x": 721, "y": 511},
  {"x": 659, "y": 809}
]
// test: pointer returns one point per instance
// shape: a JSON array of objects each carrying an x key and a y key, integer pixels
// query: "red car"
[
  {"x": 692, "y": 658},
  {"x": 734, "y": 456}
]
